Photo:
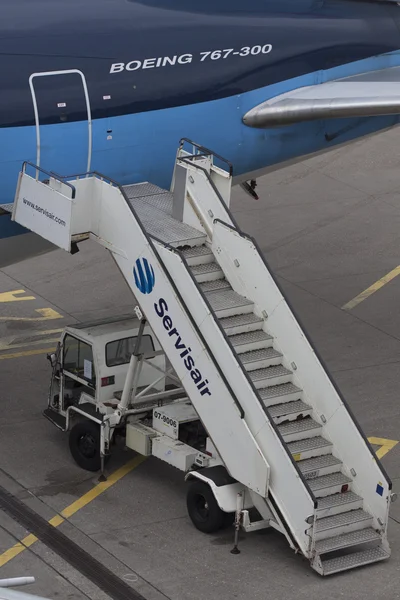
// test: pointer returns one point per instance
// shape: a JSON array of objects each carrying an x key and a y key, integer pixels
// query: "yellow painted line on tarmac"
[
  {"x": 46, "y": 335},
  {"x": 385, "y": 445},
  {"x": 47, "y": 314},
  {"x": 27, "y": 353},
  {"x": 4, "y": 346},
  {"x": 15, "y": 296},
  {"x": 46, "y": 341},
  {"x": 73, "y": 508},
  {"x": 372, "y": 289},
  {"x": 17, "y": 549}
]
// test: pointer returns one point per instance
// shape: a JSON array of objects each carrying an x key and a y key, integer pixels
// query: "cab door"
[
  {"x": 78, "y": 370},
  {"x": 63, "y": 121}
]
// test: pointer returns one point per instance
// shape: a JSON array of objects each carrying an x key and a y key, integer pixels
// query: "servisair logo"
[{"x": 144, "y": 276}]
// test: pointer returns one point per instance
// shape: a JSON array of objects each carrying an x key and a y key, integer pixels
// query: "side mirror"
[{"x": 52, "y": 358}]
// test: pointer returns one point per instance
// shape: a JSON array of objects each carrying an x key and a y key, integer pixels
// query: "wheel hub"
[
  {"x": 87, "y": 445},
  {"x": 202, "y": 507}
]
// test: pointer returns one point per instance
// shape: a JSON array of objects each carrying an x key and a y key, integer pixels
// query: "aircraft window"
[{"x": 120, "y": 351}]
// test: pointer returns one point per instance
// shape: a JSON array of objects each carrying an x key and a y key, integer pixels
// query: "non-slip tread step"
[
  {"x": 141, "y": 190},
  {"x": 335, "y": 500},
  {"x": 342, "y": 519},
  {"x": 299, "y": 426},
  {"x": 327, "y": 481},
  {"x": 308, "y": 444},
  {"x": 215, "y": 285},
  {"x": 257, "y": 355},
  {"x": 269, "y": 372},
  {"x": 238, "y": 320},
  {"x": 356, "y": 559},
  {"x": 227, "y": 299},
  {"x": 196, "y": 251},
  {"x": 354, "y": 538},
  {"x": 171, "y": 232},
  {"x": 206, "y": 268},
  {"x": 160, "y": 225},
  {"x": 240, "y": 339},
  {"x": 288, "y": 408},
  {"x": 275, "y": 391},
  {"x": 319, "y": 462},
  {"x": 55, "y": 417}
]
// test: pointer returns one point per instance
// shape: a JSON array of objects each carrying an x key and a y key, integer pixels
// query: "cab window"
[
  {"x": 119, "y": 352},
  {"x": 78, "y": 358}
]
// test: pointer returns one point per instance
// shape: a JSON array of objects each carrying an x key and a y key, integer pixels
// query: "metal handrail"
[
  {"x": 181, "y": 255},
  {"x": 234, "y": 226},
  {"x": 86, "y": 174},
  {"x": 315, "y": 351},
  {"x": 214, "y": 187},
  {"x": 49, "y": 174},
  {"x": 206, "y": 152},
  {"x": 240, "y": 366},
  {"x": 36, "y": 110}
]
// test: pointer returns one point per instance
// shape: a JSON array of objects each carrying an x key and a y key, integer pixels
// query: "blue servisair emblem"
[{"x": 144, "y": 276}]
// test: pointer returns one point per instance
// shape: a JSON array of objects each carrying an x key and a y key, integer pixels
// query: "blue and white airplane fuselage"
[{"x": 137, "y": 75}]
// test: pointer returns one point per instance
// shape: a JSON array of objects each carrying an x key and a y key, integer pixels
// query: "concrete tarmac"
[{"x": 329, "y": 228}]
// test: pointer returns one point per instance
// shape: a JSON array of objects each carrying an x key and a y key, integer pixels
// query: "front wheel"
[
  {"x": 84, "y": 444},
  {"x": 203, "y": 508}
]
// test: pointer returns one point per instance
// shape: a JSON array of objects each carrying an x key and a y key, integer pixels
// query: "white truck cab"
[
  {"x": 92, "y": 360},
  {"x": 110, "y": 377}
]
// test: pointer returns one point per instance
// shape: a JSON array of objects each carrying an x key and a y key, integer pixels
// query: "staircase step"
[
  {"x": 198, "y": 255},
  {"x": 309, "y": 447},
  {"x": 215, "y": 285},
  {"x": 320, "y": 465},
  {"x": 276, "y": 375},
  {"x": 207, "y": 272},
  {"x": 168, "y": 230},
  {"x": 253, "y": 340},
  {"x": 350, "y": 561},
  {"x": 329, "y": 484},
  {"x": 226, "y": 303},
  {"x": 338, "y": 503},
  {"x": 277, "y": 394},
  {"x": 300, "y": 429},
  {"x": 354, "y": 538},
  {"x": 289, "y": 411},
  {"x": 55, "y": 417},
  {"x": 148, "y": 191},
  {"x": 241, "y": 324},
  {"x": 260, "y": 359},
  {"x": 352, "y": 520}
]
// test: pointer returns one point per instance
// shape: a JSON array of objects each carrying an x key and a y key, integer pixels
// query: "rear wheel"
[
  {"x": 84, "y": 444},
  {"x": 203, "y": 508}
]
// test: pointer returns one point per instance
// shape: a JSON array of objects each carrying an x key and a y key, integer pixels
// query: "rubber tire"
[
  {"x": 79, "y": 431},
  {"x": 213, "y": 518}
]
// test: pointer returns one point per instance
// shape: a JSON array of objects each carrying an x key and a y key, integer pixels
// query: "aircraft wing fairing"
[{"x": 370, "y": 94}]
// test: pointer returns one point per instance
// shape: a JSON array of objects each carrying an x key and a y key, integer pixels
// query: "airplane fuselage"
[{"x": 144, "y": 74}]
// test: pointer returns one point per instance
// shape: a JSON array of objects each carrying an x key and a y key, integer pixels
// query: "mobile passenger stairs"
[{"x": 281, "y": 438}]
